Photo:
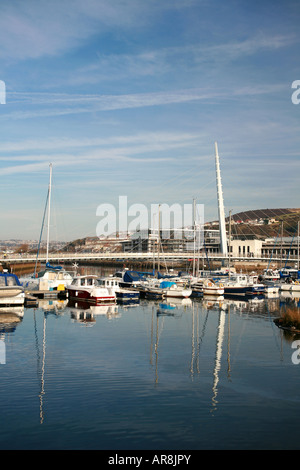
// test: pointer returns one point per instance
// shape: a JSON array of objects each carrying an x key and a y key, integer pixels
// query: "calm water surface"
[{"x": 203, "y": 374}]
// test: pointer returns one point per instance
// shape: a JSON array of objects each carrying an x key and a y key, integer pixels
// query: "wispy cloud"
[
  {"x": 145, "y": 138},
  {"x": 158, "y": 62},
  {"x": 47, "y": 104},
  {"x": 32, "y": 30},
  {"x": 35, "y": 29},
  {"x": 141, "y": 148}
]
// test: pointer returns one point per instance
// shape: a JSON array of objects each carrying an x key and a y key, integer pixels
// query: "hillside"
[
  {"x": 262, "y": 214},
  {"x": 260, "y": 223},
  {"x": 265, "y": 223}
]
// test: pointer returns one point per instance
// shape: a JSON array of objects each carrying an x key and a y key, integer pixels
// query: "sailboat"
[
  {"x": 291, "y": 276},
  {"x": 52, "y": 277}
]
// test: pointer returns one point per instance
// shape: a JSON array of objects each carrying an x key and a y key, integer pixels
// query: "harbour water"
[{"x": 187, "y": 374}]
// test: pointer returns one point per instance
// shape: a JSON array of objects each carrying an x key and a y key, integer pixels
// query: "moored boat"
[
  {"x": 210, "y": 287},
  {"x": 87, "y": 288},
  {"x": 11, "y": 290},
  {"x": 270, "y": 275},
  {"x": 242, "y": 284},
  {"x": 167, "y": 289},
  {"x": 129, "y": 278},
  {"x": 207, "y": 286},
  {"x": 290, "y": 286},
  {"x": 121, "y": 293},
  {"x": 51, "y": 278}
]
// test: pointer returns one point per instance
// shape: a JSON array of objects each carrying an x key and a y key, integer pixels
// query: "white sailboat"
[
  {"x": 292, "y": 275},
  {"x": 162, "y": 289},
  {"x": 52, "y": 277}
]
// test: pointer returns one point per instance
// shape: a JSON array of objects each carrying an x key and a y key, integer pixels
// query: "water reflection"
[
  {"x": 266, "y": 309},
  {"x": 85, "y": 313},
  {"x": 10, "y": 318},
  {"x": 218, "y": 356},
  {"x": 55, "y": 306},
  {"x": 197, "y": 339},
  {"x": 215, "y": 352}
]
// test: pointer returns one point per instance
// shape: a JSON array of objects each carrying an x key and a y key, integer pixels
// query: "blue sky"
[{"x": 127, "y": 97}]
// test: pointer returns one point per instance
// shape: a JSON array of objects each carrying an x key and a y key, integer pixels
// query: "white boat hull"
[
  {"x": 178, "y": 293},
  {"x": 213, "y": 291},
  {"x": 290, "y": 287},
  {"x": 8, "y": 292},
  {"x": 18, "y": 299},
  {"x": 94, "y": 295}
]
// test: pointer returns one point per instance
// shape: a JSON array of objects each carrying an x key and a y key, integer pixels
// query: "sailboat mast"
[
  {"x": 194, "y": 257},
  {"x": 298, "y": 245},
  {"x": 158, "y": 240},
  {"x": 49, "y": 204}
]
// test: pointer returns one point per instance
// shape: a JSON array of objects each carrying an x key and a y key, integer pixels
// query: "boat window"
[
  {"x": 90, "y": 282},
  {"x": 2, "y": 281},
  {"x": 82, "y": 282},
  {"x": 11, "y": 281}
]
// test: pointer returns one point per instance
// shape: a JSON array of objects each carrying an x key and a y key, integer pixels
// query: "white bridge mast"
[{"x": 223, "y": 238}]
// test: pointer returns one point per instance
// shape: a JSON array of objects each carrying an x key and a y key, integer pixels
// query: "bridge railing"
[{"x": 59, "y": 257}]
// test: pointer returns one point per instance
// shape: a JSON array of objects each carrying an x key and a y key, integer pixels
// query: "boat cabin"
[
  {"x": 9, "y": 279},
  {"x": 84, "y": 281},
  {"x": 113, "y": 282}
]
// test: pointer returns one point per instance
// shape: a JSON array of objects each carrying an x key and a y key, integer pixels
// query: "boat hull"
[
  {"x": 127, "y": 295},
  {"x": 87, "y": 296},
  {"x": 180, "y": 294},
  {"x": 8, "y": 292},
  {"x": 212, "y": 291},
  {"x": 16, "y": 300},
  {"x": 243, "y": 290}
]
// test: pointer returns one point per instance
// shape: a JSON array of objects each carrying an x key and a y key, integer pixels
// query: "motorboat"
[
  {"x": 122, "y": 293},
  {"x": 270, "y": 275},
  {"x": 271, "y": 290},
  {"x": 290, "y": 286},
  {"x": 11, "y": 290},
  {"x": 128, "y": 278},
  {"x": 51, "y": 278},
  {"x": 243, "y": 284},
  {"x": 87, "y": 288}
]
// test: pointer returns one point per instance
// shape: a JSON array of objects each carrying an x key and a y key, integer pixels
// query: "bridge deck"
[{"x": 76, "y": 257}]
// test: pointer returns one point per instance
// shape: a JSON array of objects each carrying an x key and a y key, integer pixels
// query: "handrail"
[{"x": 56, "y": 257}]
